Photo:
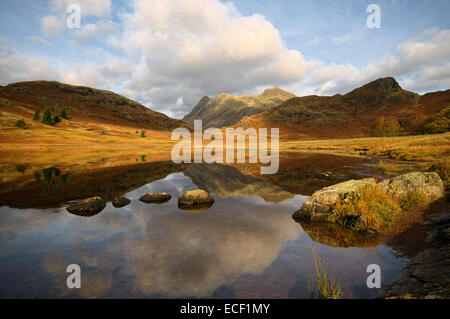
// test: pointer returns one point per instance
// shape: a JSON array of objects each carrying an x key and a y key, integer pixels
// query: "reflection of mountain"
[
  {"x": 305, "y": 173},
  {"x": 226, "y": 181},
  {"x": 50, "y": 187}
]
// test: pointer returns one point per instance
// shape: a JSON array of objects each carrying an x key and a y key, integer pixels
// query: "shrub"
[
  {"x": 56, "y": 119},
  {"x": 37, "y": 116},
  {"x": 63, "y": 113},
  {"x": 143, "y": 134},
  {"x": 387, "y": 126},
  {"x": 439, "y": 123},
  {"x": 20, "y": 124},
  {"x": 371, "y": 208},
  {"x": 47, "y": 118}
]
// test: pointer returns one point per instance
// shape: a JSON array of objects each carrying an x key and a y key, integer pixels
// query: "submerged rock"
[
  {"x": 195, "y": 200},
  {"x": 319, "y": 207},
  {"x": 155, "y": 198},
  {"x": 120, "y": 202},
  {"x": 88, "y": 207},
  {"x": 429, "y": 183}
]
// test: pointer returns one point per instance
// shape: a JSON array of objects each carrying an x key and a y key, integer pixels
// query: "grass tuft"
[
  {"x": 371, "y": 208},
  {"x": 326, "y": 288}
]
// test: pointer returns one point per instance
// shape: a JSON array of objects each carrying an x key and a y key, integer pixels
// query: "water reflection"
[{"x": 245, "y": 246}]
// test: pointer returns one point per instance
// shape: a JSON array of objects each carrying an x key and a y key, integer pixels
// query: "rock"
[
  {"x": 195, "y": 199},
  {"x": 120, "y": 202},
  {"x": 430, "y": 183},
  {"x": 156, "y": 198},
  {"x": 88, "y": 207},
  {"x": 319, "y": 207}
]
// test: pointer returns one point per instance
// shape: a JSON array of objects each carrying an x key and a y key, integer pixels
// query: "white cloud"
[
  {"x": 422, "y": 63},
  {"x": 169, "y": 54}
]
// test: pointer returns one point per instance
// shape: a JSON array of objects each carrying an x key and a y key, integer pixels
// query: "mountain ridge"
[
  {"x": 378, "y": 108},
  {"x": 226, "y": 109}
]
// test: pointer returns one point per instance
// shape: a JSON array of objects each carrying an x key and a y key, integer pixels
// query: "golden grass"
[
  {"x": 421, "y": 148},
  {"x": 373, "y": 207}
]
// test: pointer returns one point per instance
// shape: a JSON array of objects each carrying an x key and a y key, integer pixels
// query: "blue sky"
[{"x": 168, "y": 54}]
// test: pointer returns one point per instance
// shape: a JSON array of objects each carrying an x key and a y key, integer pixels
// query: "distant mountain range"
[
  {"x": 379, "y": 108},
  {"x": 227, "y": 110}
]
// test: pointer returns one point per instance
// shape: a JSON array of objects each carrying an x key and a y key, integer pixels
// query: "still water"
[{"x": 245, "y": 246}]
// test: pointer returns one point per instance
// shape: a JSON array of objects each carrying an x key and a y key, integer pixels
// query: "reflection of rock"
[
  {"x": 88, "y": 207},
  {"x": 195, "y": 200},
  {"x": 429, "y": 183},
  {"x": 155, "y": 198},
  {"x": 107, "y": 182},
  {"x": 338, "y": 236},
  {"x": 120, "y": 202},
  {"x": 319, "y": 207},
  {"x": 226, "y": 181}
]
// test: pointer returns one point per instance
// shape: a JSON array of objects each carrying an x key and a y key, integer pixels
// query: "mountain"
[
  {"x": 379, "y": 108},
  {"x": 226, "y": 110},
  {"x": 83, "y": 104}
]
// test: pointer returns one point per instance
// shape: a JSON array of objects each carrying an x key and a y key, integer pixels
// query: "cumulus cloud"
[
  {"x": 203, "y": 47},
  {"x": 169, "y": 54},
  {"x": 422, "y": 63}
]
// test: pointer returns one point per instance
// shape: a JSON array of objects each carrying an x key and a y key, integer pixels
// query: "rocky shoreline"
[{"x": 427, "y": 274}]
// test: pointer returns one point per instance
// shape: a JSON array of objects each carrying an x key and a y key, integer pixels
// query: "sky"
[{"x": 168, "y": 54}]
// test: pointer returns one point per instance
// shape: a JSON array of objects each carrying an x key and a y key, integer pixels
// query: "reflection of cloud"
[
  {"x": 198, "y": 254},
  {"x": 159, "y": 249}
]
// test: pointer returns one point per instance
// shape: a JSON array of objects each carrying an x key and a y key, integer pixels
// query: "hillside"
[
  {"x": 380, "y": 108},
  {"x": 94, "y": 117},
  {"x": 226, "y": 110},
  {"x": 20, "y": 100}
]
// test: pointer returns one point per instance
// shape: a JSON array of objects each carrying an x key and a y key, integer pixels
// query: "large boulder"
[
  {"x": 195, "y": 199},
  {"x": 88, "y": 207},
  {"x": 429, "y": 183},
  {"x": 319, "y": 207}
]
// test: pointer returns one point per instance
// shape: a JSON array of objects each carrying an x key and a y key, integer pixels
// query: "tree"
[
  {"x": 47, "y": 118},
  {"x": 143, "y": 134},
  {"x": 387, "y": 126},
  {"x": 20, "y": 124},
  {"x": 63, "y": 113},
  {"x": 37, "y": 116}
]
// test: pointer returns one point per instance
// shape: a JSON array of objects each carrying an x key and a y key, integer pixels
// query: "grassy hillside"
[
  {"x": 81, "y": 103},
  {"x": 92, "y": 117},
  {"x": 380, "y": 108}
]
